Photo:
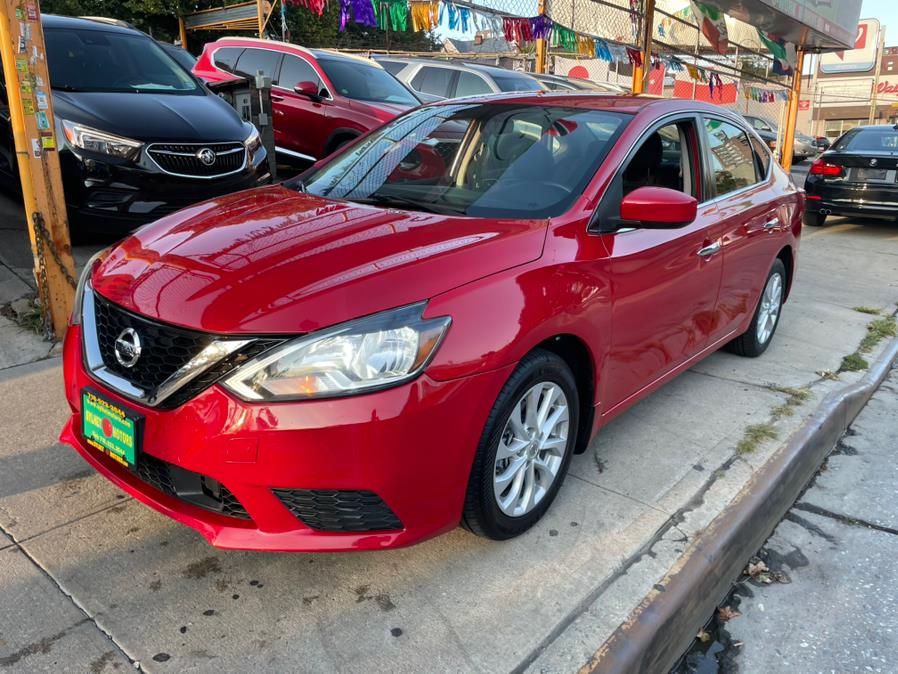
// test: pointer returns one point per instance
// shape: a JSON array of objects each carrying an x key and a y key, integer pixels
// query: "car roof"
[
  {"x": 452, "y": 63},
  {"x": 277, "y": 45},
  {"x": 72, "y": 23}
]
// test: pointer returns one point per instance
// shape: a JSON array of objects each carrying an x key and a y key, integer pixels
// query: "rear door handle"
[
  {"x": 709, "y": 250},
  {"x": 276, "y": 98},
  {"x": 770, "y": 224}
]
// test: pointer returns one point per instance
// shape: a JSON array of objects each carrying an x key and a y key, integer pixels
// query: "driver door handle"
[
  {"x": 709, "y": 250},
  {"x": 770, "y": 224},
  {"x": 276, "y": 98}
]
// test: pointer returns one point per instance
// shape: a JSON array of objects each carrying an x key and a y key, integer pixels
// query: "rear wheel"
[
  {"x": 754, "y": 341},
  {"x": 813, "y": 219},
  {"x": 525, "y": 448}
]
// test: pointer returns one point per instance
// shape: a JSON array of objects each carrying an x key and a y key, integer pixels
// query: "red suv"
[
  {"x": 321, "y": 99},
  {"x": 424, "y": 328}
]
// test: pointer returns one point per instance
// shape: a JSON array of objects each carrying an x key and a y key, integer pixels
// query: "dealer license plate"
[
  {"x": 110, "y": 427},
  {"x": 871, "y": 174}
]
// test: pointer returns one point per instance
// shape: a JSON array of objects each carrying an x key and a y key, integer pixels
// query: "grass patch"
[
  {"x": 28, "y": 319},
  {"x": 868, "y": 310},
  {"x": 797, "y": 396},
  {"x": 877, "y": 331},
  {"x": 853, "y": 362},
  {"x": 754, "y": 436}
]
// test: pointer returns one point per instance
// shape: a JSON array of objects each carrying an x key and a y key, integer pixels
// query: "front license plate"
[{"x": 110, "y": 427}]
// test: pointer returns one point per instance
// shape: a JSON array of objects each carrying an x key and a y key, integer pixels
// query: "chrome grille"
[{"x": 183, "y": 159}]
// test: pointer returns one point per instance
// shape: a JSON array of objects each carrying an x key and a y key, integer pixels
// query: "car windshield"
[
  {"x": 491, "y": 160},
  {"x": 512, "y": 83},
  {"x": 366, "y": 83},
  {"x": 871, "y": 140},
  {"x": 97, "y": 60}
]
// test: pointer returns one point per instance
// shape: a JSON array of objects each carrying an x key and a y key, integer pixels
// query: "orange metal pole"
[
  {"x": 648, "y": 26},
  {"x": 792, "y": 115}
]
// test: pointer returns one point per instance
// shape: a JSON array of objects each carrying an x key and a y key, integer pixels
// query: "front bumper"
[
  {"x": 412, "y": 446},
  {"x": 107, "y": 195}
]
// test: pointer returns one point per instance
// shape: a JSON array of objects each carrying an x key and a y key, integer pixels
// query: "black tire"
[
  {"x": 482, "y": 514},
  {"x": 747, "y": 344},
  {"x": 813, "y": 219}
]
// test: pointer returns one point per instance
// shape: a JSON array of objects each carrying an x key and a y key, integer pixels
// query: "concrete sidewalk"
[
  {"x": 115, "y": 582},
  {"x": 837, "y": 548}
]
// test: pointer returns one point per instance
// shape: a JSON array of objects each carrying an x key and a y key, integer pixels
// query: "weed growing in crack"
[
  {"x": 754, "y": 436},
  {"x": 797, "y": 396},
  {"x": 867, "y": 310}
]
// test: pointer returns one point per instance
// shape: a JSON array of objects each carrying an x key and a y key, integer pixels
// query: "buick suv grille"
[{"x": 198, "y": 160}]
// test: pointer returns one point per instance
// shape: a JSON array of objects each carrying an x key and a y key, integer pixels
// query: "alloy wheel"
[
  {"x": 531, "y": 449},
  {"x": 769, "y": 311}
]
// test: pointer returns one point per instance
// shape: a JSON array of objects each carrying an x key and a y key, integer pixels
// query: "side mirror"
[
  {"x": 309, "y": 90},
  {"x": 658, "y": 208}
]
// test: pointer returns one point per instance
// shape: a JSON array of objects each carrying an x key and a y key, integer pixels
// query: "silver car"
[{"x": 445, "y": 79}]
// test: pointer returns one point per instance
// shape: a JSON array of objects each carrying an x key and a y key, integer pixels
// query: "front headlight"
[
  {"x": 93, "y": 140},
  {"x": 83, "y": 280},
  {"x": 253, "y": 141},
  {"x": 376, "y": 352}
]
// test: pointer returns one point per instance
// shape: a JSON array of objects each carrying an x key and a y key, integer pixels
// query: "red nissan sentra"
[{"x": 422, "y": 329}]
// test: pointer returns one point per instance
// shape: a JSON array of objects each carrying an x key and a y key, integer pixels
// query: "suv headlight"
[
  {"x": 83, "y": 281},
  {"x": 93, "y": 140},
  {"x": 371, "y": 353},
  {"x": 253, "y": 141}
]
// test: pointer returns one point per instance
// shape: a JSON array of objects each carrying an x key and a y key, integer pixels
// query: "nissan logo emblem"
[
  {"x": 127, "y": 347},
  {"x": 873, "y": 162},
  {"x": 206, "y": 156}
]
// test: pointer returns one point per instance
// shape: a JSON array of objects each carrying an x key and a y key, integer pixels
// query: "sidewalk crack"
[{"x": 844, "y": 519}]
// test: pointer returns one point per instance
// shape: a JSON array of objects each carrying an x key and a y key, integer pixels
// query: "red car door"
[
  {"x": 748, "y": 216},
  {"x": 299, "y": 121},
  {"x": 664, "y": 281}
]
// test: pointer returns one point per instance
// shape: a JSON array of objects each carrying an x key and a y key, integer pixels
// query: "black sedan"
[
  {"x": 139, "y": 136},
  {"x": 857, "y": 176}
]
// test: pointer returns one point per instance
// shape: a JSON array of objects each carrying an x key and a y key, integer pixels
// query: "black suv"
[{"x": 139, "y": 136}]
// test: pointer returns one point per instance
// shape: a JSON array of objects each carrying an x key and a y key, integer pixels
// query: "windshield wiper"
[{"x": 411, "y": 204}]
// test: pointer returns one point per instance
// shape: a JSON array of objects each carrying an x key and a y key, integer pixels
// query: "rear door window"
[
  {"x": 433, "y": 80},
  {"x": 252, "y": 61},
  {"x": 225, "y": 58},
  {"x": 732, "y": 158},
  {"x": 295, "y": 70}
]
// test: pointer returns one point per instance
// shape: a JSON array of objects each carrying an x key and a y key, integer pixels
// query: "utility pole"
[
  {"x": 879, "y": 55},
  {"x": 27, "y": 86}
]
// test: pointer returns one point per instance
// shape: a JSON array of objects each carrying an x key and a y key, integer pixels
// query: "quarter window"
[
  {"x": 471, "y": 85},
  {"x": 225, "y": 58},
  {"x": 762, "y": 156},
  {"x": 433, "y": 80},
  {"x": 732, "y": 159},
  {"x": 253, "y": 60}
]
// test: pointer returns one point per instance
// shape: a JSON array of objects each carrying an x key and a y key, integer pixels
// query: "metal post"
[
  {"x": 540, "y": 65},
  {"x": 879, "y": 54},
  {"x": 31, "y": 118},
  {"x": 182, "y": 32},
  {"x": 648, "y": 25},
  {"x": 260, "y": 13},
  {"x": 788, "y": 145}
]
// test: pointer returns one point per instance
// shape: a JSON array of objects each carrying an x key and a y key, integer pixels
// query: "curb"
[{"x": 662, "y": 626}]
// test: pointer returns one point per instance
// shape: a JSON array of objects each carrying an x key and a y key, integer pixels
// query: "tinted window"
[
  {"x": 433, "y": 81},
  {"x": 762, "y": 155},
  {"x": 366, "y": 83},
  {"x": 253, "y": 60},
  {"x": 732, "y": 159},
  {"x": 392, "y": 67},
  {"x": 96, "y": 60},
  {"x": 487, "y": 160},
  {"x": 226, "y": 57},
  {"x": 515, "y": 83},
  {"x": 184, "y": 58},
  {"x": 471, "y": 85},
  {"x": 871, "y": 140},
  {"x": 295, "y": 70}
]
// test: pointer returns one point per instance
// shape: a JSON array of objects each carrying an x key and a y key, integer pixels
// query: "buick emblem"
[
  {"x": 127, "y": 347},
  {"x": 206, "y": 156},
  {"x": 873, "y": 161}
]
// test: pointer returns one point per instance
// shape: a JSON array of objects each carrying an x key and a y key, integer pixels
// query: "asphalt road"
[{"x": 92, "y": 580}]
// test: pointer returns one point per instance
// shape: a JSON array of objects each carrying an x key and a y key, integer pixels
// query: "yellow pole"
[
  {"x": 260, "y": 12},
  {"x": 182, "y": 32},
  {"x": 792, "y": 115},
  {"x": 648, "y": 25},
  {"x": 41, "y": 187},
  {"x": 540, "y": 65}
]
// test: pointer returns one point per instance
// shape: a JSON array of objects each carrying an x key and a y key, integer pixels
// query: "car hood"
[
  {"x": 272, "y": 260},
  {"x": 152, "y": 117}
]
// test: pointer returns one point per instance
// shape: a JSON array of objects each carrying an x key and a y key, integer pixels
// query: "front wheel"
[
  {"x": 754, "y": 341},
  {"x": 525, "y": 448}
]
